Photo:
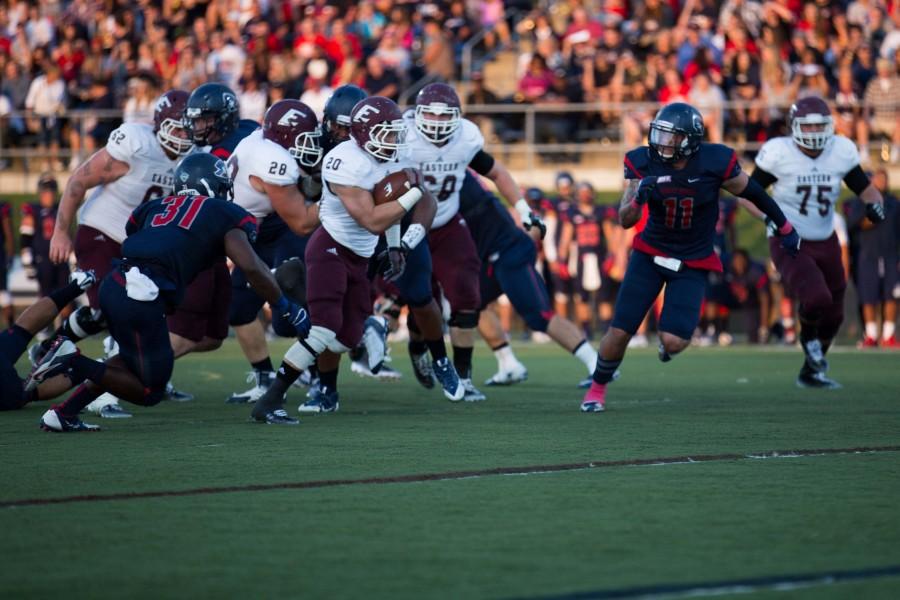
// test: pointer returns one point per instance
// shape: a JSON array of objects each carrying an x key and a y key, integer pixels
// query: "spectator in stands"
[
  {"x": 437, "y": 54},
  {"x": 191, "y": 70},
  {"x": 883, "y": 96},
  {"x": 709, "y": 99},
  {"x": 493, "y": 21},
  {"x": 379, "y": 81},
  {"x": 536, "y": 81},
  {"x": 851, "y": 121},
  {"x": 46, "y": 100},
  {"x": 317, "y": 92},
  {"x": 391, "y": 51},
  {"x": 875, "y": 264},
  {"x": 252, "y": 97},
  {"x": 225, "y": 62},
  {"x": 141, "y": 100}
]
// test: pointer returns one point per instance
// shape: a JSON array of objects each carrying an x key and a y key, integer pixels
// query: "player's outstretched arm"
[
  {"x": 859, "y": 182},
  {"x": 361, "y": 206},
  {"x": 509, "y": 189},
  {"x": 241, "y": 253},
  {"x": 290, "y": 205},
  {"x": 743, "y": 186},
  {"x": 99, "y": 169},
  {"x": 629, "y": 207}
]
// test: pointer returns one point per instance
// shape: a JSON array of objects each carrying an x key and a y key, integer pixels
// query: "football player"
[
  {"x": 508, "y": 257},
  {"x": 200, "y": 324},
  {"x": 135, "y": 167},
  {"x": 806, "y": 170},
  {"x": 6, "y": 255},
  {"x": 169, "y": 240},
  {"x": 678, "y": 177},
  {"x": 14, "y": 340},
  {"x": 36, "y": 231},
  {"x": 443, "y": 144},
  {"x": 267, "y": 167},
  {"x": 338, "y": 253}
]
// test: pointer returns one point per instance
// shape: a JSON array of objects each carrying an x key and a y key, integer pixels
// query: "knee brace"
[
  {"x": 304, "y": 352},
  {"x": 464, "y": 320},
  {"x": 86, "y": 321}
]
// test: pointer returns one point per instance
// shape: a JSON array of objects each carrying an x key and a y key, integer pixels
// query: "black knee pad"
[{"x": 464, "y": 320}]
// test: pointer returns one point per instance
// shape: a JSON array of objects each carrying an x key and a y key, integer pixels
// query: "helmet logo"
[
  {"x": 697, "y": 122},
  {"x": 183, "y": 176},
  {"x": 364, "y": 113},
  {"x": 163, "y": 103},
  {"x": 292, "y": 118},
  {"x": 229, "y": 100},
  {"x": 220, "y": 170}
]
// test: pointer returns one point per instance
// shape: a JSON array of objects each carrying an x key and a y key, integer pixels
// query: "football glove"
[
  {"x": 790, "y": 239},
  {"x": 311, "y": 186},
  {"x": 529, "y": 218},
  {"x": 293, "y": 314},
  {"x": 875, "y": 212},
  {"x": 645, "y": 190},
  {"x": 392, "y": 262}
]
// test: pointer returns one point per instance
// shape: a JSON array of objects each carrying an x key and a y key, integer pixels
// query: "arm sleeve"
[
  {"x": 856, "y": 180},
  {"x": 764, "y": 202},
  {"x": 482, "y": 162},
  {"x": 763, "y": 177}
]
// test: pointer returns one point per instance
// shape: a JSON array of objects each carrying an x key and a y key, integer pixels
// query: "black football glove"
[
  {"x": 790, "y": 240},
  {"x": 392, "y": 263},
  {"x": 645, "y": 190},
  {"x": 875, "y": 212},
  {"x": 293, "y": 314},
  {"x": 311, "y": 186}
]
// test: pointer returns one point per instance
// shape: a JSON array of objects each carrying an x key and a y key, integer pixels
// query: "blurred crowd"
[{"x": 709, "y": 52}]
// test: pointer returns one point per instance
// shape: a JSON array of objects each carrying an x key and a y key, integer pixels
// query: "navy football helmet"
[
  {"x": 202, "y": 174},
  {"x": 211, "y": 114},
  {"x": 336, "y": 115},
  {"x": 676, "y": 132}
]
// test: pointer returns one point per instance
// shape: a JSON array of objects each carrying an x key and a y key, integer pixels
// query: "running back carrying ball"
[{"x": 395, "y": 186}]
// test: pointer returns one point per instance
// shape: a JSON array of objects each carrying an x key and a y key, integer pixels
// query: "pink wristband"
[{"x": 786, "y": 228}]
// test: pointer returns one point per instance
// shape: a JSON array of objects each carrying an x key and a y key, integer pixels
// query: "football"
[{"x": 392, "y": 187}]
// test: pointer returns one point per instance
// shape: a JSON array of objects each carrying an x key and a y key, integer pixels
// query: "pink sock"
[{"x": 597, "y": 393}]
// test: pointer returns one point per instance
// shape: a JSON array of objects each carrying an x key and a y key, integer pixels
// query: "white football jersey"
[
  {"x": 348, "y": 164},
  {"x": 444, "y": 167},
  {"x": 255, "y": 155},
  {"x": 109, "y": 206},
  {"x": 808, "y": 188}
]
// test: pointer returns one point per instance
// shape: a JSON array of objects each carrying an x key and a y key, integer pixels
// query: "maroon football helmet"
[
  {"x": 293, "y": 125},
  {"x": 167, "y": 122},
  {"x": 438, "y": 112},
  {"x": 811, "y": 123},
  {"x": 376, "y": 125}
]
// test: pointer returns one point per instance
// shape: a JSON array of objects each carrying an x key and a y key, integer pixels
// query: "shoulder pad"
[
  {"x": 846, "y": 155},
  {"x": 270, "y": 162},
  {"x": 636, "y": 162},
  {"x": 129, "y": 140},
  {"x": 770, "y": 155},
  {"x": 347, "y": 164}
]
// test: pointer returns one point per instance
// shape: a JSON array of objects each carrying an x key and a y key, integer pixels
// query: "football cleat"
[
  {"x": 36, "y": 353},
  {"x": 386, "y": 373},
  {"x": 84, "y": 279},
  {"x": 177, "y": 395},
  {"x": 375, "y": 342},
  {"x": 57, "y": 423},
  {"x": 323, "y": 401},
  {"x": 586, "y": 383},
  {"x": 306, "y": 379},
  {"x": 422, "y": 369},
  {"x": 815, "y": 358},
  {"x": 595, "y": 398},
  {"x": 110, "y": 347},
  {"x": 261, "y": 380},
  {"x": 890, "y": 342},
  {"x": 446, "y": 375},
  {"x": 816, "y": 380},
  {"x": 56, "y": 361},
  {"x": 508, "y": 376},
  {"x": 107, "y": 406},
  {"x": 472, "y": 394},
  {"x": 664, "y": 356},
  {"x": 279, "y": 416},
  {"x": 868, "y": 343}
]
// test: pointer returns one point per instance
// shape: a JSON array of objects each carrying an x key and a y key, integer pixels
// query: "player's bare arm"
[
  {"x": 629, "y": 209},
  {"x": 361, "y": 206},
  {"x": 241, "y": 253},
  {"x": 509, "y": 189},
  {"x": 99, "y": 169},
  {"x": 290, "y": 205}
]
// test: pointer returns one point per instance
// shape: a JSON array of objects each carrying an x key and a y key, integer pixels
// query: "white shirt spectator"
[
  {"x": 316, "y": 99},
  {"x": 44, "y": 98},
  {"x": 138, "y": 111},
  {"x": 226, "y": 64},
  {"x": 253, "y": 105}
]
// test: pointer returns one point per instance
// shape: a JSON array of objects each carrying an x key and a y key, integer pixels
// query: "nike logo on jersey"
[
  {"x": 100, "y": 238},
  {"x": 332, "y": 251},
  {"x": 693, "y": 180}
]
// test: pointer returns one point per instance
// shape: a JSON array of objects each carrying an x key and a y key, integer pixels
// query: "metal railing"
[{"x": 527, "y": 134}]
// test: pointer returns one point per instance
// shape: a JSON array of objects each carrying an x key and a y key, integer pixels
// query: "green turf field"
[{"x": 487, "y": 536}]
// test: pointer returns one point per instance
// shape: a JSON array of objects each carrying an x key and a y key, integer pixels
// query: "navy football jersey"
[
  {"x": 180, "y": 236},
  {"x": 226, "y": 147},
  {"x": 684, "y": 211},
  {"x": 589, "y": 229},
  {"x": 44, "y": 223}
]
